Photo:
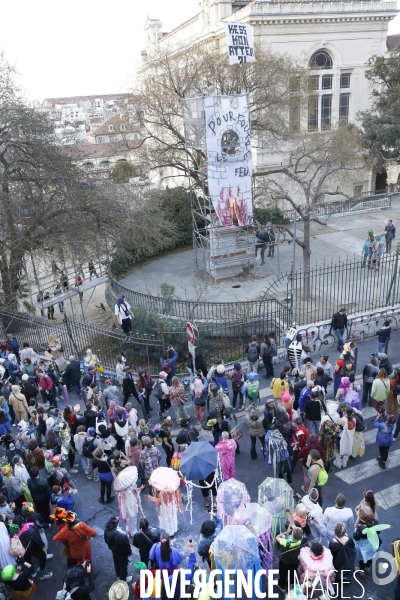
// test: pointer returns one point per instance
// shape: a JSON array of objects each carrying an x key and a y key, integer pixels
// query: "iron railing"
[
  {"x": 316, "y": 294},
  {"x": 365, "y": 202}
]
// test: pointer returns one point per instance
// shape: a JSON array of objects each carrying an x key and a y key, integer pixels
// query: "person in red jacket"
[
  {"x": 78, "y": 535},
  {"x": 46, "y": 387},
  {"x": 300, "y": 434}
]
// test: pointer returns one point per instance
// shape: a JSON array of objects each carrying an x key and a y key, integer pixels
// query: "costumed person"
[
  {"x": 129, "y": 498},
  {"x": 315, "y": 516},
  {"x": 20, "y": 582},
  {"x": 294, "y": 354},
  {"x": 367, "y": 540},
  {"x": 226, "y": 449},
  {"x": 317, "y": 560},
  {"x": 368, "y": 248},
  {"x": 327, "y": 433},
  {"x": 118, "y": 542},
  {"x": 346, "y": 429},
  {"x": 165, "y": 484},
  {"x": 78, "y": 535},
  {"x": 5, "y": 556}
]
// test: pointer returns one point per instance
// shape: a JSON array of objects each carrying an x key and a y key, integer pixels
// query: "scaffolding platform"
[{"x": 74, "y": 291}]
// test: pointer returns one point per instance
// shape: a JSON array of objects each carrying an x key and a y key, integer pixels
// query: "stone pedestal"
[{"x": 229, "y": 249}]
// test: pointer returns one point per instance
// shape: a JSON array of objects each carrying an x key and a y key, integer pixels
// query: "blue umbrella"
[{"x": 198, "y": 461}]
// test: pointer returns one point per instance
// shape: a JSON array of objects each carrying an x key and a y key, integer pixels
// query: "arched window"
[{"x": 321, "y": 60}]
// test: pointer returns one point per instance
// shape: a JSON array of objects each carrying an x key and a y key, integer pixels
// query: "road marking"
[
  {"x": 266, "y": 392},
  {"x": 368, "y": 469},
  {"x": 389, "y": 497}
]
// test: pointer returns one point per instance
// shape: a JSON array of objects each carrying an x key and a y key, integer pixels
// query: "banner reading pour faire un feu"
[{"x": 229, "y": 163}]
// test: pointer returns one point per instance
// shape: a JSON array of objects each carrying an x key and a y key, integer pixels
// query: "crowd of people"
[{"x": 313, "y": 419}]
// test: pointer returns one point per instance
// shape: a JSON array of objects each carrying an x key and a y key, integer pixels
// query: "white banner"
[
  {"x": 229, "y": 165},
  {"x": 240, "y": 43}
]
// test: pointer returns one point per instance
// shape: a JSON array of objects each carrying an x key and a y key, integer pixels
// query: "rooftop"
[
  {"x": 115, "y": 121},
  {"x": 51, "y": 102}
]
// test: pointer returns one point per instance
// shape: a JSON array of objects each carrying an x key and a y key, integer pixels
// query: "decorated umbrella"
[
  {"x": 236, "y": 548},
  {"x": 259, "y": 521},
  {"x": 164, "y": 479},
  {"x": 230, "y": 496},
  {"x": 275, "y": 495},
  {"x": 198, "y": 461},
  {"x": 165, "y": 483},
  {"x": 128, "y": 498}
]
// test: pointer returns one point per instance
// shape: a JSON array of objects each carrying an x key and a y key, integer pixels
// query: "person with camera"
[
  {"x": 79, "y": 581},
  {"x": 384, "y": 436}
]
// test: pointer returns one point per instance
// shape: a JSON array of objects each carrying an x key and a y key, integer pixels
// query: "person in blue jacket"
[
  {"x": 188, "y": 576},
  {"x": 219, "y": 377},
  {"x": 12, "y": 341},
  {"x": 384, "y": 436},
  {"x": 167, "y": 360},
  {"x": 165, "y": 555}
]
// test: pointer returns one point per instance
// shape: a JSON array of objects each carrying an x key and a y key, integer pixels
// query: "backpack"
[
  {"x": 360, "y": 423},
  {"x": 88, "y": 448},
  {"x": 64, "y": 594},
  {"x": 322, "y": 475},
  {"x": 198, "y": 388},
  {"x": 346, "y": 369},
  {"x": 237, "y": 381},
  {"x": 253, "y": 391},
  {"x": 252, "y": 353},
  {"x": 16, "y": 547},
  {"x": 165, "y": 366},
  {"x": 287, "y": 430},
  {"x": 80, "y": 420},
  {"x": 157, "y": 391}
]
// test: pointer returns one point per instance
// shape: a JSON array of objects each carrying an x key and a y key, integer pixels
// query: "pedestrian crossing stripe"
[
  {"x": 367, "y": 469},
  {"x": 389, "y": 497}
]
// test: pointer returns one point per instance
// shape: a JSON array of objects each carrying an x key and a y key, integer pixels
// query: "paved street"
[{"x": 361, "y": 474}]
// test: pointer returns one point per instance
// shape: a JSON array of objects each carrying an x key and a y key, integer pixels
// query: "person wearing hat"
[
  {"x": 118, "y": 591},
  {"x": 22, "y": 587},
  {"x": 384, "y": 363},
  {"x": 78, "y": 535},
  {"x": 219, "y": 377},
  {"x": 123, "y": 317},
  {"x": 79, "y": 581},
  {"x": 144, "y": 385},
  {"x": 150, "y": 459},
  {"x": 308, "y": 369}
]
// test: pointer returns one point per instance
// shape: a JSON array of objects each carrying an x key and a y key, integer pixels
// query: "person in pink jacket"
[{"x": 227, "y": 449}]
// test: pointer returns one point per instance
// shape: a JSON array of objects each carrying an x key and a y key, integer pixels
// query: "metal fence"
[
  {"x": 366, "y": 201},
  {"x": 316, "y": 294}
]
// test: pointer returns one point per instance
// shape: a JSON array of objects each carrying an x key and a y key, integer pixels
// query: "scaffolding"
[{"x": 221, "y": 251}]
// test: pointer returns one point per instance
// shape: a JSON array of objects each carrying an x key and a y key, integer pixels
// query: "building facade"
[{"x": 335, "y": 40}]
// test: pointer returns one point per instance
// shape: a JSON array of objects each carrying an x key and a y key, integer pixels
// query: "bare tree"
[
  {"x": 173, "y": 75},
  {"x": 47, "y": 204},
  {"x": 322, "y": 164}
]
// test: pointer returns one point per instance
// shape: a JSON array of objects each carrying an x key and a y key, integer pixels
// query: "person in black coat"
[
  {"x": 145, "y": 539},
  {"x": 90, "y": 415},
  {"x": 343, "y": 552},
  {"x": 297, "y": 387},
  {"x": 72, "y": 375},
  {"x": 269, "y": 414},
  {"x": 370, "y": 372},
  {"x": 75, "y": 578},
  {"x": 118, "y": 543},
  {"x": 40, "y": 492},
  {"x": 128, "y": 386},
  {"x": 33, "y": 544}
]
